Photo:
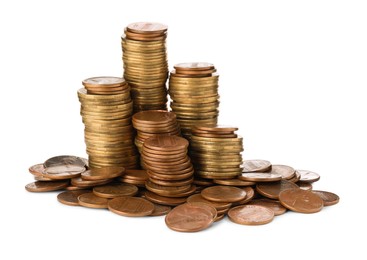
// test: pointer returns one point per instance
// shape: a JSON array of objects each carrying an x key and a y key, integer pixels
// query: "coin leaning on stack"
[
  {"x": 145, "y": 64},
  {"x": 216, "y": 152},
  {"x": 193, "y": 88},
  {"x": 106, "y": 109}
]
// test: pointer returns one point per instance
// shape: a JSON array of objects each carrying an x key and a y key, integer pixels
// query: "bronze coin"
[
  {"x": 90, "y": 200},
  {"x": 37, "y": 169},
  {"x": 42, "y": 186},
  {"x": 273, "y": 205},
  {"x": 250, "y": 194},
  {"x": 131, "y": 206},
  {"x": 139, "y": 175},
  {"x": 146, "y": 27},
  {"x": 217, "y": 205},
  {"x": 115, "y": 190},
  {"x": 308, "y": 176},
  {"x": 160, "y": 210},
  {"x": 167, "y": 143},
  {"x": 103, "y": 81},
  {"x": 251, "y": 215},
  {"x": 260, "y": 176},
  {"x": 169, "y": 201},
  {"x": 273, "y": 189},
  {"x": 223, "y": 194},
  {"x": 190, "y": 217},
  {"x": 302, "y": 201},
  {"x": 256, "y": 166},
  {"x": 234, "y": 182},
  {"x": 304, "y": 185},
  {"x": 174, "y": 176},
  {"x": 102, "y": 173},
  {"x": 287, "y": 172},
  {"x": 63, "y": 172},
  {"x": 329, "y": 198},
  {"x": 70, "y": 198},
  {"x": 84, "y": 183}
]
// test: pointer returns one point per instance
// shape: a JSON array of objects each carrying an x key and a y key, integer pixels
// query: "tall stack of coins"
[
  {"x": 106, "y": 109},
  {"x": 193, "y": 88},
  {"x": 216, "y": 152},
  {"x": 169, "y": 168},
  {"x": 153, "y": 123},
  {"x": 145, "y": 64}
]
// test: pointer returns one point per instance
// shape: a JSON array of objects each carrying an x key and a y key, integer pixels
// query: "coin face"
[
  {"x": 70, "y": 198},
  {"x": 308, "y": 176},
  {"x": 160, "y": 210},
  {"x": 167, "y": 143},
  {"x": 273, "y": 205},
  {"x": 223, "y": 194},
  {"x": 63, "y": 167},
  {"x": 302, "y": 201},
  {"x": 329, "y": 198},
  {"x": 131, "y": 206},
  {"x": 115, "y": 190},
  {"x": 146, "y": 27},
  {"x": 90, "y": 200},
  {"x": 287, "y": 172},
  {"x": 250, "y": 215},
  {"x": 260, "y": 176},
  {"x": 273, "y": 189},
  {"x": 42, "y": 186},
  {"x": 64, "y": 160},
  {"x": 256, "y": 166},
  {"x": 217, "y": 205},
  {"x": 190, "y": 217},
  {"x": 104, "y": 81}
]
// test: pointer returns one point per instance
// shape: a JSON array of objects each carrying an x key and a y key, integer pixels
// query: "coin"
[
  {"x": 234, "y": 182},
  {"x": 190, "y": 217},
  {"x": 70, "y": 198},
  {"x": 42, "y": 186},
  {"x": 250, "y": 194},
  {"x": 102, "y": 173},
  {"x": 251, "y": 215},
  {"x": 131, "y": 206},
  {"x": 37, "y": 169},
  {"x": 302, "y": 201},
  {"x": 273, "y": 189},
  {"x": 329, "y": 198},
  {"x": 308, "y": 176},
  {"x": 160, "y": 210},
  {"x": 217, "y": 205},
  {"x": 115, "y": 190},
  {"x": 62, "y": 172},
  {"x": 169, "y": 201},
  {"x": 133, "y": 174},
  {"x": 146, "y": 27},
  {"x": 90, "y": 200},
  {"x": 287, "y": 172},
  {"x": 273, "y": 205},
  {"x": 260, "y": 176},
  {"x": 78, "y": 181},
  {"x": 304, "y": 185},
  {"x": 223, "y": 194},
  {"x": 194, "y": 66},
  {"x": 167, "y": 143},
  {"x": 65, "y": 161}
]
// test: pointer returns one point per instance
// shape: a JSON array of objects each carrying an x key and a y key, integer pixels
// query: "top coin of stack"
[
  {"x": 193, "y": 88},
  {"x": 106, "y": 108},
  {"x": 145, "y": 64},
  {"x": 216, "y": 152}
]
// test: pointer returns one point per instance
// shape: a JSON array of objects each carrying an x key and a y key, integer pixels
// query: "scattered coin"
[
  {"x": 42, "y": 186},
  {"x": 250, "y": 215},
  {"x": 308, "y": 176},
  {"x": 273, "y": 205},
  {"x": 260, "y": 176},
  {"x": 256, "y": 166},
  {"x": 287, "y": 172},
  {"x": 302, "y": 201},
  {"x": 90, "y": 200},
  {"x": 131, "y": 206},
  {"x": 160, "y": 210},
  {"x": 102, "y": 173},
  {"x": 329, "y": 198},
  {"x": 70, "y": 198},
  {"x": 223, "y": 194},
  {"x": 115, "y": 190},
  {"x": 273, "y": 189}
]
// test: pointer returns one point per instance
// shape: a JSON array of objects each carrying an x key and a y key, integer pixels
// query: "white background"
[{"x": 292, "y": 75}]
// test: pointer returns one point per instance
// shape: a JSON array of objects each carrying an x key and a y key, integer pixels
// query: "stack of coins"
[
  {"x": 154, "y": 123},
  {"x": 106, "y": 109},
  {"x": 193, "y": 88},
  {"x": 216, "y": 152},
  {"x": 169, "y": 168},
  {"x": 145, "y": 64}
]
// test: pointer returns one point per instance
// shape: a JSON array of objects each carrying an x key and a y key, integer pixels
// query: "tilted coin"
[
  {"x": 302, "y": 201},
  {"x": 160, "y": 210},
  {"x": 131, "y": 206},
  {"x": 37, "y": 169},
  {"x": 223, "y": 194},
  {"x": 273, "y": 205},
  {"x": 102, "y": 173},
  {"x": 90, "y": 200},
  {"x": 329, "y": 198},
  {"x": 115, "y": 190},
  {"x": 251, "y": 215},
  {"x": 273, "y": 189},
  {"x": 260, "y": 176},
  {"x": 287, "y": 172},
  {"x": 42, "y": 186},
  {"x": 308, "y": 176},
  {"x": 70, "y": 198}
]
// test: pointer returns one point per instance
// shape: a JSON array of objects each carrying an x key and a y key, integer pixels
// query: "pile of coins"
[
  {"x": 146, "y": 65},
  {"x": 169, "y": 168},
  {"x": 153, "y": 123},
  {"x": 193, "y": 88},
  {"x": 216, "y": 152},
  {"x": 106, "y": 109}
]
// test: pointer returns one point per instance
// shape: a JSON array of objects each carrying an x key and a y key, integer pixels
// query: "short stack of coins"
[
  {"x": 168, "y": 166},
  {"x": 193, "y": 88},
  {"x": 153, "y": 123},
  {"x": 216, "y": 152},
  {"x": 106, "y": 109},
  {"x": 145, "y": 64}
]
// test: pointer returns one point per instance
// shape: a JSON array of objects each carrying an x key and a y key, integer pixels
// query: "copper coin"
[
  {"x": 73, "y": 188},
  {"x": 43, "y": 178},
  {"x": 172, "y": 183},
  {"x": 37, "y": 169},
  {"x": 154, "y": 117},
  {"x": 287, "y": 172},
  {"x": 102, "y": 173},
  {"x": 250, "y": 194},
  {"x": 234, "y": 182},
  {"x": 329, "y": 198},
  {"x": 146, "y": 27},
  {"x": 308, "y": 176},
  {"x": 160, "y": 210},
  {"x": 169, "y": 201},
  {"x": 251, "y": 215},
  {"x": 133, "y": 174},
  {"x": 115, "y": 190},
  {"x": 70, "y": 198},
  {"x": 194, "y": 66},
  {"x": 90, "y": 200},
  {"x": 256, "y": 166},
  {"x": 131, "y": 206},
  {"x": 273, "y": 189},
  {"x": 190, "y": 217},
  {"x": 302, "y": 201},
  {"x": 217, "y": 205},
  {"x": 167, "y": 143},
  {"x": 218, "y": 128},
  {"x": 189, "y": 192},
  {"x": 41, "y": 186},
  {"x": 260, "y": 176},
  {"x": 63, "y": 172},
  {"x": 223, "y": 194},
  {"x": 305, "y": 185},
  {"x": 103, "y": 81},
  {"x": 64, "y": 164},
  {"x": 84, "y": 183},
  {"x": 296, "y": 177},
  {"x": 273, "y": 205},
  {"x": 219, "y": 217},
  {"x": 203, "y": 182}
]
